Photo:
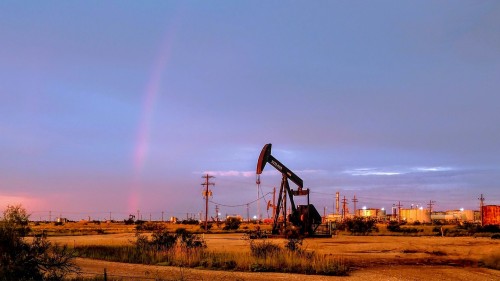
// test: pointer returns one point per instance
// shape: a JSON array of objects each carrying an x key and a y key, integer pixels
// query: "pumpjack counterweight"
[{"x": 305, "y": 218}]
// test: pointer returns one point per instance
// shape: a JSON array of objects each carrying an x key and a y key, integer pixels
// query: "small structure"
[{"x": 61, "y": 220}]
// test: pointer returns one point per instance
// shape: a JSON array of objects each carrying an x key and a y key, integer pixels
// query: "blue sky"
[{"x": 121, "y": 106}]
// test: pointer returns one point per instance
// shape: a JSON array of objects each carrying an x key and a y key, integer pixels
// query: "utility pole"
[
  {"x": 206, "y": 194},
  {"x": 354, "y": 200},
  {"x": 430, "y": 204},
  {"x": 162, "y": 216},
  {"x": 248, "y": 212},
  {"x": 481, "y": 204},
  {"x": 217, "y": 214},
  {"x": 399, "y": 211},
  {"x": 109, "y": 216},
  {"x": 344, "y": 203}
]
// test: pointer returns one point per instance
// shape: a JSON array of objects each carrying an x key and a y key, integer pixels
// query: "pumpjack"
[{"x": 305, "y": 218}]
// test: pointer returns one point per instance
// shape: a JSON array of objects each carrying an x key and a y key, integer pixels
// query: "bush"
[
  {"x": 232, "y": 224},
  {"x": 490, "y": 228},
  {"x": 189, "y": 240},
  {"x": 394, "y": 226},
  {"x": 409, "y": 230},
  {"x": 163, "y": 240},
  {"x": 38, "y": 260},
  {"x": 149, "y": 226},
  {"x": 190, "y": 222},
  {"x": 361, "y": 226},
  {"x": 264, "y": 249},
  {"x": 209, "y": 226}
]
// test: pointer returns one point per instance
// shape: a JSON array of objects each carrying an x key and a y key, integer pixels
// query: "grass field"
[{"x": 452, "y": 257}]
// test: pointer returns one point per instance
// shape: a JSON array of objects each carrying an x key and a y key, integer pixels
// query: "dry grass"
[
  {"x": 361, "y": 251},
  {"x": 264, "y": 257}
]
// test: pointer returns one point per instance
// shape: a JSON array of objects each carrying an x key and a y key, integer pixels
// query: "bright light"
[
  {"x": 462, "y": 209},
  {"x": 383, "y": 209},
  {"x": 364, "y": 207},
  {"x": 421, "y": 208},
  {"x": 254, "y": 217}
]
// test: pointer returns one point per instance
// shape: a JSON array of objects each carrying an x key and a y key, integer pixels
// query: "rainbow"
[{"x": 143, "y": 133}]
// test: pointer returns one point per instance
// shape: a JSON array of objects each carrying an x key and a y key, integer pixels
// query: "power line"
[{"x": 240, "y": 205}]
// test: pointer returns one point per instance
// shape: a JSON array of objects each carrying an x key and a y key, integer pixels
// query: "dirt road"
[{"x": 122, "y": 271}]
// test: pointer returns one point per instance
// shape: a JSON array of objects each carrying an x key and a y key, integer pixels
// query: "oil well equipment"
[{"x": 304, "y": 218}]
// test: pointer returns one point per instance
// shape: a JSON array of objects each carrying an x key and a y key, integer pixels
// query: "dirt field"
[
  {"x": 148, "y": 272},
  {"x": 371, "y": 257}
]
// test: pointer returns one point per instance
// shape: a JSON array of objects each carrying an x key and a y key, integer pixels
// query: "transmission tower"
[{"x": 206, "y": 193}]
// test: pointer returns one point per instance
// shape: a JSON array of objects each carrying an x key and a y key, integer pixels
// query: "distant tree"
[{"x": 21, "y": 260}]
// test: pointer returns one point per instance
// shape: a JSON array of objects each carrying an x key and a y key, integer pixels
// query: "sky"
[{"x": 109, "y": 108}]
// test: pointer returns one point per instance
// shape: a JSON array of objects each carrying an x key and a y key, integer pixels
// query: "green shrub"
[
  {"x": 38, "y": 260},
  {"x": 189, "y": 240},
  {"x": 163, "y": 240},
  {"x": 361, "y": 226},
  {"x": 393, "y": 226},
  {"x": 264, "y": 249},
  {"x": 232, "y": 224}
]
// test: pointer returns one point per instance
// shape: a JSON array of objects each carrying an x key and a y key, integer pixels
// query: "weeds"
[{"x": 190, "y": 251}]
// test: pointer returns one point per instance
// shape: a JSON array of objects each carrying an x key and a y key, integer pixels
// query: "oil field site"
[{"x": 295, "y": 243}]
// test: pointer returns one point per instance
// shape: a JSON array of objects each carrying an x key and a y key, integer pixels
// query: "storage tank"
[
  {"x": 491, "y": 215},
  {"x": 412, "y": 215},
  {"x": 371, "y": 213}
]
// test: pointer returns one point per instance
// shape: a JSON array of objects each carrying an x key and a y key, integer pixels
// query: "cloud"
[
  {"x": 395, "y": 171},
  {"x": 231, "y": 173},
  {"x": 248, "y": 174},
  {"x": 432, "y": 169},
  {"x": 371, "y": 172}
]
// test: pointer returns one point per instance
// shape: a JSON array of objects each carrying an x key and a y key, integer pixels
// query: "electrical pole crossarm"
[{"x": 266, "y": 157}]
